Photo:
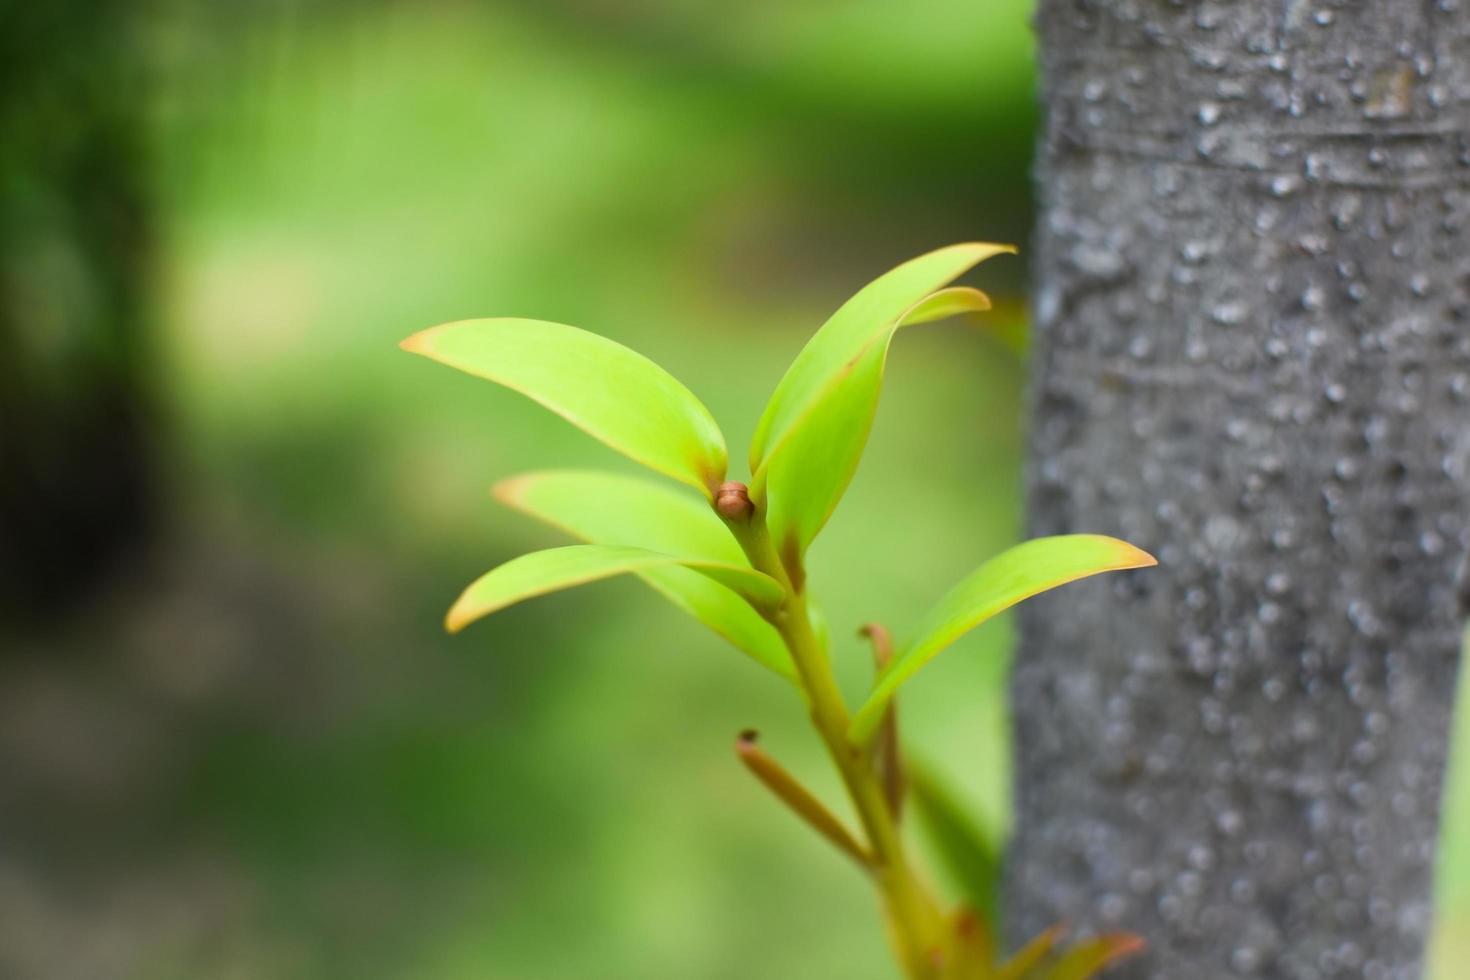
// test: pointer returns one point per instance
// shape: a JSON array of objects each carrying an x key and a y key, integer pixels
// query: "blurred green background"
[{"x": 250, "y": 751}]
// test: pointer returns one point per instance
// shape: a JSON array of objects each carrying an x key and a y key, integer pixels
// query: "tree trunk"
[
  {"x": 75, "y": 249},
  {"x": 1253, "y": 358}
]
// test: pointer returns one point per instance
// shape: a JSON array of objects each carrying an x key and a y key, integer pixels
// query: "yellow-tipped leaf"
[
  {"x": 542, "y": 572},
  {"x": 610, "y": 392},
  {"x": 817, "y": 423},
  {"x": 612, "y": 509},
  {"x": 873, "y": 309},
  {"x": 1015, "y": 574}
]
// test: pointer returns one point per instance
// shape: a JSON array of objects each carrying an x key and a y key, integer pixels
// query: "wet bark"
[
  {"x": 1252, "y": 306},
  {"x": 75, "y": 249}
]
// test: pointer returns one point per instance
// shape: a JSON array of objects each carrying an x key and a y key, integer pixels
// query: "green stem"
[{"x": 916, "y": 925}]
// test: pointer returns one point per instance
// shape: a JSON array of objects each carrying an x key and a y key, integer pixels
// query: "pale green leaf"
[
  {"x": 561, "y": 568},
  {"x": 612, "y": 393},
  {"x": 809, "y": 465},
  {"x": 1015, "y": 574},
  {"x": 606, "y": 508},
  {"x": 613, "y": 508},
  {"x": 806, "y": 474},
  {"x": 874, "y": 309}
]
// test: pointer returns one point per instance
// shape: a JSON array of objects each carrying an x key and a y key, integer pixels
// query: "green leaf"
[
  {"x": 874, "y": 309},
  {"x": 606, "y": 508},
  {"x": 973, "y": 858},
  {"x": 611, "y": 508},
  {"x": 806, "y": 475},
  {"x": 808, "y": 466},
  {"x": 610, "y": 392},
  {"x": 561, "y": 568},
  {"x": 1015, "y": 574}
]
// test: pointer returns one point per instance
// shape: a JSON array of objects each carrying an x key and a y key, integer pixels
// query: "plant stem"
[
  {"x": 915, "y": 922},
  {"x": 914, "y": 919}
]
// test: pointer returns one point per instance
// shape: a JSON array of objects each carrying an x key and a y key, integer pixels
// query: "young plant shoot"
[{"x": 736, "y": 561}]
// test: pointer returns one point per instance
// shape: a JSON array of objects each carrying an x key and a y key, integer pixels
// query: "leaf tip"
[
  {"x": 882, "y": 642},
  {"x": 987, "y": 249},
  {"x": 512, "y": 489},
  {"x": 464, "y": 612},
  {"x": 456, "y": 619},
  {"x": 1135, "y": 557},
  {"x": 1121, "y": 944},
  {"x": 418, "y": 343}
]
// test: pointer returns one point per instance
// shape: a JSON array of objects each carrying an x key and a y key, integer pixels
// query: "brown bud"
[{"x": 732, "y": 501}]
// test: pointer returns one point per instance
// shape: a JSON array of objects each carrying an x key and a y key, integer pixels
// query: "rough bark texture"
[{"x": 1253, "y": 359}]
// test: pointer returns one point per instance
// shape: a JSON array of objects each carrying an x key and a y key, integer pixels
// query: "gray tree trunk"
[{"x": 1253, "y": 358}]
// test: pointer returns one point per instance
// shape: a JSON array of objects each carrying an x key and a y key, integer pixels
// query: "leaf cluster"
[
  {"x": 736, "y": 561},
  {"x": 807, "y": 446}
]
